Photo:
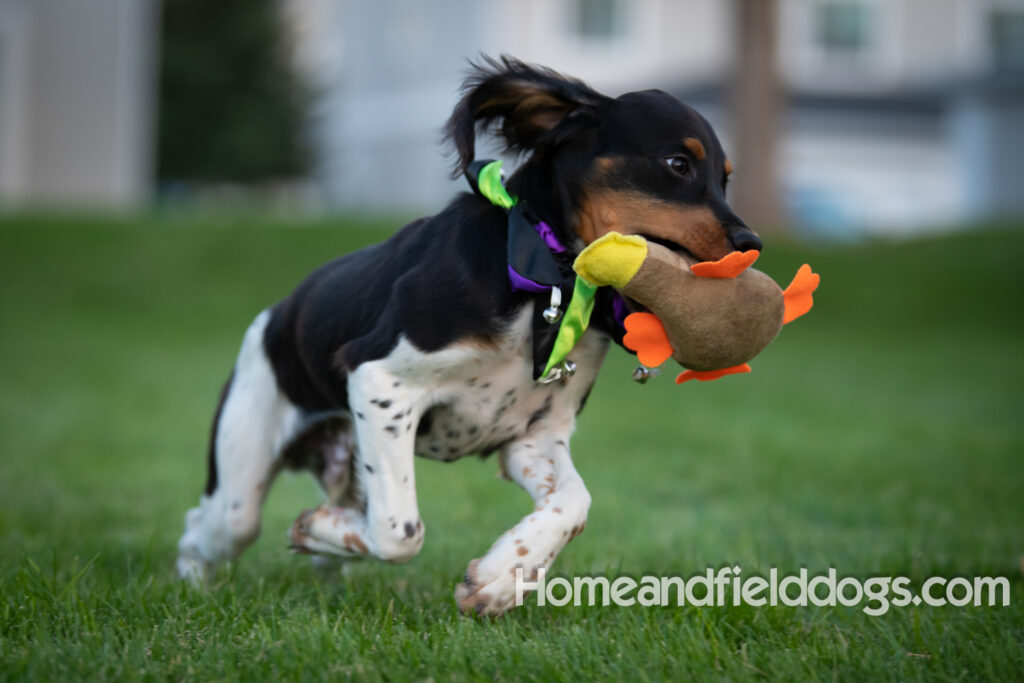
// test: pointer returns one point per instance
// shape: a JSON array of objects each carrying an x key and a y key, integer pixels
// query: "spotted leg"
[
  {"x": 544, "y": 468},
  {"x": 386, "y": 412}
]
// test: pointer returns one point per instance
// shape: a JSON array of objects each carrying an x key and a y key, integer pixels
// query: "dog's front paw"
[{"x": 487, "y": 593}]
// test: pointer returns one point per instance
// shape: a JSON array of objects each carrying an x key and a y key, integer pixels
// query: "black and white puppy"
[{"x": 420, "y": 345}]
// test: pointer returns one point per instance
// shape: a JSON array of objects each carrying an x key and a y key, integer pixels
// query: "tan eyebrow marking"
[
  {"x": 728, "y": 167},
  {"x": 693, "y": 144}
]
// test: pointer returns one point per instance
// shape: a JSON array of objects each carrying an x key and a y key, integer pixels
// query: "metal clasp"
[
  {"x": 559, "y": 373},
  {"x": 644, "y": 373}
]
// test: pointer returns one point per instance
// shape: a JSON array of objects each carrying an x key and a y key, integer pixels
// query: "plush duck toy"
[{"x": 711, "y": 317}]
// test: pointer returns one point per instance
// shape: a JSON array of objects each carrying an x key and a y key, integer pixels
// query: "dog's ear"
[{"x": 534, "y": 105}]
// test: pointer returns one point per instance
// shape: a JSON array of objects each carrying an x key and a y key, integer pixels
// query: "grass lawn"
[{"x": 881, "y": 435}]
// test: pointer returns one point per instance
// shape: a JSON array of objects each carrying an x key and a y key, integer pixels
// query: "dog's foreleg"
[
  {"x": 386, "y": 412},
  {"x": 544, "y": 468}
]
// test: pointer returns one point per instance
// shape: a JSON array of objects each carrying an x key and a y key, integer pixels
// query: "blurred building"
[
  {"x": 901, "y": 113},
  {"x": 76, "y": 86}
]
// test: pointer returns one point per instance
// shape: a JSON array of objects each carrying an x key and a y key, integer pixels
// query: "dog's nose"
[{"x": 744, "y": 239}]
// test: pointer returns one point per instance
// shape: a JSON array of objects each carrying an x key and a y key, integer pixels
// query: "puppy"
[{"x": 447, "y": 339}]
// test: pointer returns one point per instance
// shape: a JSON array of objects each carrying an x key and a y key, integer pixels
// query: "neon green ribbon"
[
  {"x": 574, "y": 322},
  {"x": 489, "y": 182}
]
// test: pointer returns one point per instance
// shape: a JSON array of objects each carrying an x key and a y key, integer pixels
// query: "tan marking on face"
[
  {"x": 728, "y": 167},
  {"x": 632, "y": 213},
  {"x": 695, "y": 147}
]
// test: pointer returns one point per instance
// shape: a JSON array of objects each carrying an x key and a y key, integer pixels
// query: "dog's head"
[{"x": 643, "y": 163}]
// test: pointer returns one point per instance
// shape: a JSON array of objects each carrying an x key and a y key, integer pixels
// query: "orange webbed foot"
[
  {"x": 708, "y": 375},
  {"x": 727, "y": 267},
  {"x": 646, "y": 335},
  {"x": 797, "y": 296}
]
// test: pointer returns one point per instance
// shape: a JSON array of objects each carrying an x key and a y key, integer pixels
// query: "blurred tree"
[
  {"x": 232, "y": 105},
  {"x": 757, "y": 101}
]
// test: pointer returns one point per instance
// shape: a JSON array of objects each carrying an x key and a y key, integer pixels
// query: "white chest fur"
[{"x": 478, "y": 397}]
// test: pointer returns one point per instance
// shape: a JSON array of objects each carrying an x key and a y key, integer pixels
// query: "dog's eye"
[{"x": 680, "y": 165}]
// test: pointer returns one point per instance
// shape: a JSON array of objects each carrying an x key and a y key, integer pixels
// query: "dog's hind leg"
[
  {"x": 253, "y": 423},
  {"x": 326, "y": 449}
]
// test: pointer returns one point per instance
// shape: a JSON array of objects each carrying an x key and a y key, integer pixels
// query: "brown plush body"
[
  {"x": 712, "y": 323},
  {"x": 711, "y": 317}
]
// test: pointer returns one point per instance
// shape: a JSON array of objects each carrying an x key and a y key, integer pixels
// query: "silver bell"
[
  {"x": 569, "y": 368},
  {"x": 644, "y": 373},
  {"x": 552, "y": 314}
]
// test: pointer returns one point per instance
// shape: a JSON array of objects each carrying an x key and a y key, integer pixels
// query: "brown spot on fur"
[
  {"x": 728, "y": 167},
  {"x": 522, "y": 550},
  {"x": 473, "y": 602},
  {"x": 353, "y": 541},
  {"x": 526, "y": 470},
  {"x": 557, "y": 511},
  {"x": 633, "y": 213},
  {"x": 695, "y": 147},
  {"x": 470, "y": 577},
  {"x": 532, "y": 110},
  {"x": 518, "y": 541}
]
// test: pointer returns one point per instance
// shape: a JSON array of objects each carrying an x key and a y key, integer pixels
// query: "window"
[
  {"x": 599, "y": 19},
  {"x": 843, "y": 27},
  {"x": 1007, "y": 39}
]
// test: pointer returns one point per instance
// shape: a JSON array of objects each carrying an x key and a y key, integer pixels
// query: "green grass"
[{"x": 879, "y": 435}]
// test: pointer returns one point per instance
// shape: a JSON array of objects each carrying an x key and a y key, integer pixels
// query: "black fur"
[
  {"x": 211, "y": 454},
  {"x": 537, "y": 108}
]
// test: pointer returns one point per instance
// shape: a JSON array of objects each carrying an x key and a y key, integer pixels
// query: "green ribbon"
[
  {"x": 581, "y": 305},
  {"x": 574, "y": 322},
  {"x": 489, "y": 182}
]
